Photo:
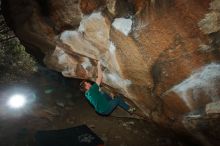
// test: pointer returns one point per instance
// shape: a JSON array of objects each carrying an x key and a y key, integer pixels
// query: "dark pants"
[{"x": 113, "y": 103}]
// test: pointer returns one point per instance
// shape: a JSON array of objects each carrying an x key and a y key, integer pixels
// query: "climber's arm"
[{"x": 100, "y": 75}]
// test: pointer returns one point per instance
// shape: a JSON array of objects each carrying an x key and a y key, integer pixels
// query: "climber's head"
[{"x": 85, "y": 85}]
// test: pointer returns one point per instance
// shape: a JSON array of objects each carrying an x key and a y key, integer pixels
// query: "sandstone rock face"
[{"x": 162, "y": 55}]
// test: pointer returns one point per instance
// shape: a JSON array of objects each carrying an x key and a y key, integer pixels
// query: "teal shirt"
[{"x": 97, "y": 99}]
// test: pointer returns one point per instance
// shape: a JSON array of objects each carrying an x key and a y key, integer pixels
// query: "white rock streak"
[
  {"x": 79, "y": 45},
  {"x": 86, "y": 64},
  {"x": 112, "y": 48},
  {"x": 68, "y": 35},
  {"x": 205, "y": 81},
  {"x": 123, "y": 25},
  {"x": 90, "y": 38},
  {"x": 116, "y": 80}
]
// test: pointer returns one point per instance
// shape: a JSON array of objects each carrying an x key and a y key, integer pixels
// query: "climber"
[{"x": 103, "y": 103}]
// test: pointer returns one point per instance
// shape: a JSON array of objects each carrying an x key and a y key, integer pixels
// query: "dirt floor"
[{"x": 56, "y": 103}]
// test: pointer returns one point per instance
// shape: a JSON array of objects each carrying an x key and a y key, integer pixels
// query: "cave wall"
[{"x": 161, "y": 54}]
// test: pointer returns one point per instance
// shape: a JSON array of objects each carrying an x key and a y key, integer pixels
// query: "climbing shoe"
[{"x": 131, "y": 110}]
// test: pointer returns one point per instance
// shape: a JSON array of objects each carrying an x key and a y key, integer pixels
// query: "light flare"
[{"x": 17, "y": 101}]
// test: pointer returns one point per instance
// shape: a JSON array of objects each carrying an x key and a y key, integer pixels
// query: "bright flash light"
[{"x": 17, "y": 101}]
